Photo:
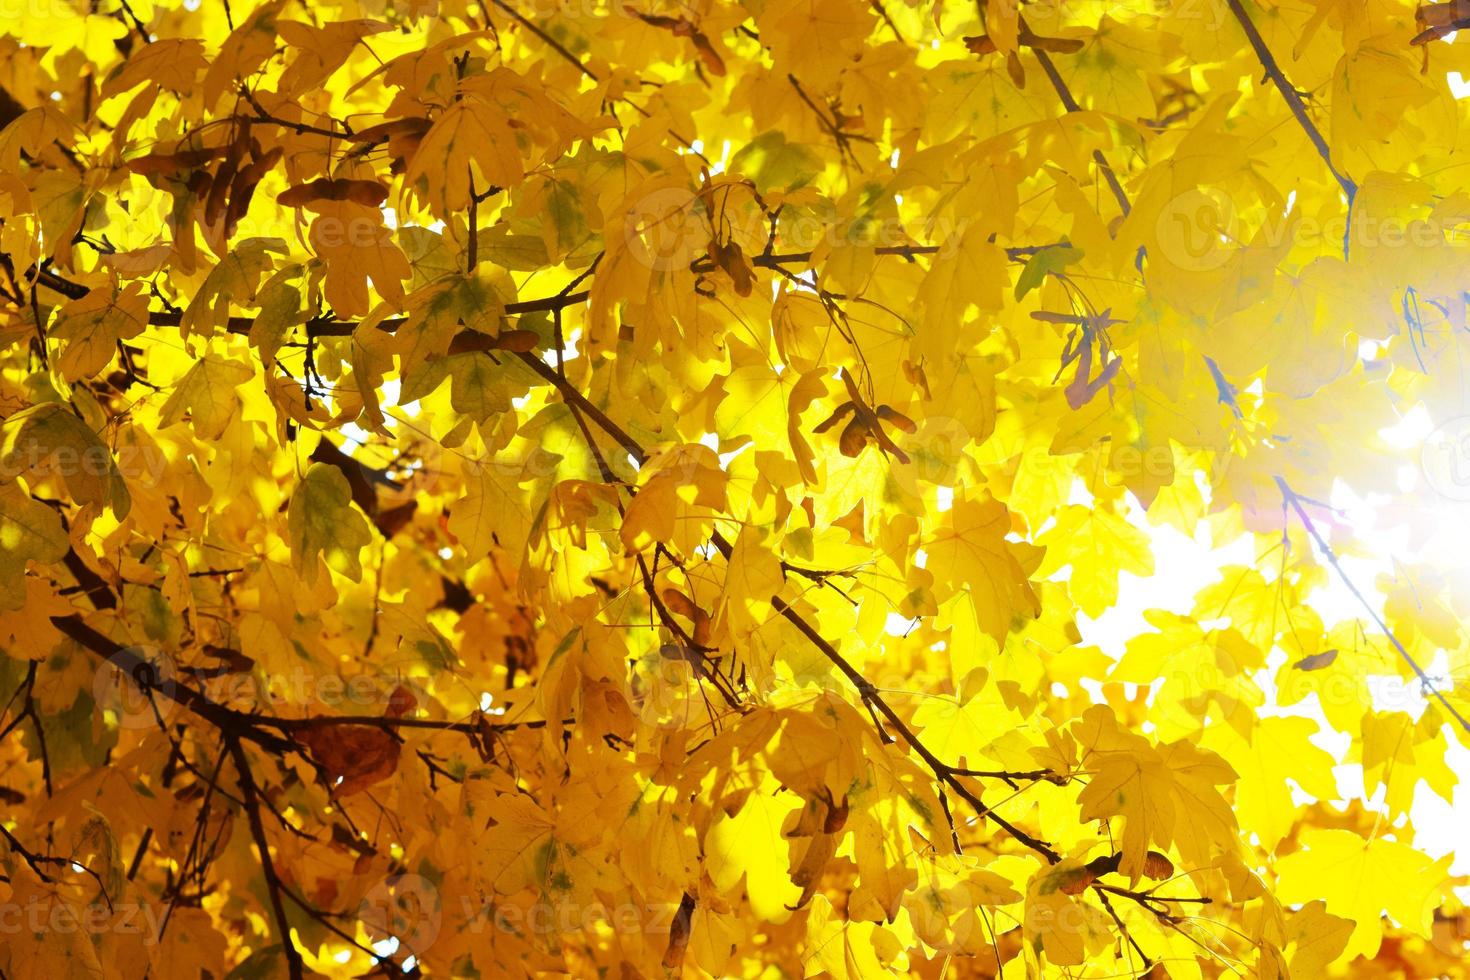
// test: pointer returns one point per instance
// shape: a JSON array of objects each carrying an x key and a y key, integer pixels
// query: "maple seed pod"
[
  {"x": 836, "y": 817},
  {"x": 368, "y": 193},
  {"x": 1196, "y": 230},
  {"x": 406, "y": 908},
  {"x": 133, "y": 684},
  {"x": 679, "y": 932},
  {"x": 1157, "y": 866}
]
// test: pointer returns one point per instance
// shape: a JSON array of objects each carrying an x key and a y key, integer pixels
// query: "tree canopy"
[{"x": 644, "y": 489}]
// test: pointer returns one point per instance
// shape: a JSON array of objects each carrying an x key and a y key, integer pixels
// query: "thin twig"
[
  {"x": 550, "y": 41},
  {"x": 1070, "y": 104},
  {"x": 1291, "y": 95},
  {"x": 1295, "y": 502},
  {"x": 295, "y": 966}
]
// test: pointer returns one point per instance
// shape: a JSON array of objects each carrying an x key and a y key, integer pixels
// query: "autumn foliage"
[{"x": 655, "y": 489}]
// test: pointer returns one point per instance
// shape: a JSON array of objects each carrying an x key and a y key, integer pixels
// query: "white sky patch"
[
  {"x": 1185, "y": 565},
  {"x": 805, "y": 281},
  {"x": 718, "y": 166},
  {"x": 355, "y": 432},
  {"x": 1182, "y": 567},
  {"x": 1411, "y": 430},
  {"x": 898, "y": 624},
  {"x": 568, "y": 350},
  {"x": 712, "y": 441}
]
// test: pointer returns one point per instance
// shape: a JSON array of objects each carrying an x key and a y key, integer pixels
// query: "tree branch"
[
  {"x": 942, "y": 771},
  {"x": 295, "y": 967},
  {"x": 1290, "y": 497},
  {"x": 1290, "y": 94},
  {"x": 1070, "y": 104},
  {"x": 546, "y": 38}
]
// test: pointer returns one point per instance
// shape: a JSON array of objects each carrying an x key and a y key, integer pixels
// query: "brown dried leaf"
[
  {"x": 1316, "y": 661},
  {"x": 354, "y": 756}
]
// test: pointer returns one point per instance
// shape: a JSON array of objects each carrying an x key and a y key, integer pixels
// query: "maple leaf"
[
  {"x": 493, "y": 511},
  {"x": 207, "y": 393},
  {"x": 1164, "y": 795},
  {"x": 843, "y": 950},
  {"x": 1363, "y": 879},
  {"x": 357, "y": 248},
  {"x": 970, "y": 555},
  {"x": 323, "y": 523},
  {"x": 472, "y": 133},
  {"x": 673, "y": 490},
  {"x": 94, "y": 325},
  {"x": 29, "y": 531},
  {"x": 748, "y": 845},
  {"x": 1065, "y": 927},
  {"x": 48, "y": 440}
]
